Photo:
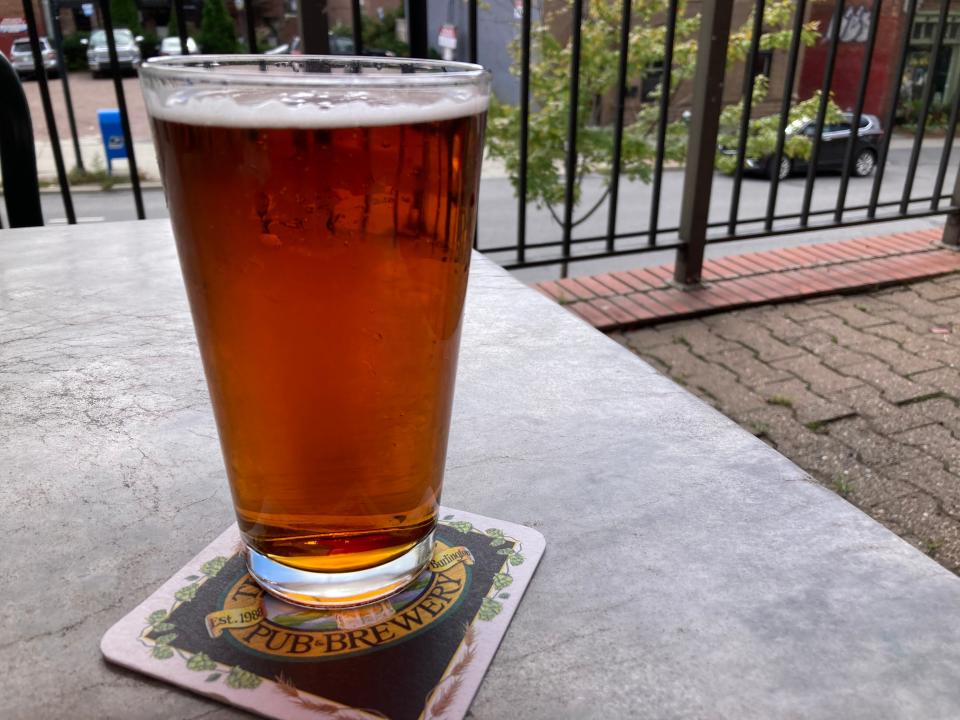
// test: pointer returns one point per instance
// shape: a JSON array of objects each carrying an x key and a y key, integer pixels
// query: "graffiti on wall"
[{"x": 854, "y": 25}]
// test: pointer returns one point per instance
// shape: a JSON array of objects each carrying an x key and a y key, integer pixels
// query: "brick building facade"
[{"x": 12, "y": 24}]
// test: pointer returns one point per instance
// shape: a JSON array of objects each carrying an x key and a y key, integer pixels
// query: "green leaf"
[
  {"x": 162, "y": 652},
  {"x": 516, "y": 559},
  {"x": 156, "y": 616},
  {"x": 212, "y": 567},
  {"x": 494, "y": 532},
  {"x": 211, "y": 678},
  {"x": 462, "y": 525},
  {"x": 502, "y": 580},
  {"x": 163, "y": 627},
  {"x": 489, "y": 609},
  {"x": 242, "y": 680},
  {"x": 507, "y": 551},
  {"x": 166, "y": 639},
  {"x": 201, "y": 662},
  {"x": 497, "y": 542},
  {"x": 186, "y": 594}
]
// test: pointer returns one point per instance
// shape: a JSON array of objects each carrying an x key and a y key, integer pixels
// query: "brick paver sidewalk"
[{"x": 862, "y": 391}]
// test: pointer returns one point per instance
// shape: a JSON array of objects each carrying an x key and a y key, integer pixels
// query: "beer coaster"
[{"x": 419, "y": 654}]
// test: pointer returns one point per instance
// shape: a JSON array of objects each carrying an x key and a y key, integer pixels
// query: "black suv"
[{"x": 833, "y": 148}]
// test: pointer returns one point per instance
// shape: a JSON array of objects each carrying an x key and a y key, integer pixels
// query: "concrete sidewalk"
[{"x": 91, "y": 150}]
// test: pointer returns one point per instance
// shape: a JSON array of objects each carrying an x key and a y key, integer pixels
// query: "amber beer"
[{"x": 326, "y": 266}]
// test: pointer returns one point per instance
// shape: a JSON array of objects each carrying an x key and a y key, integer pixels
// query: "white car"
[
  {"x": 98, "y": 54},
  {"x": 21, "y": 57},
  {"x": 171, "y": 46}
]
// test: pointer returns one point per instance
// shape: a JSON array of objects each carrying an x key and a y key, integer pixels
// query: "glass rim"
[{"x": 208, "y": 69}]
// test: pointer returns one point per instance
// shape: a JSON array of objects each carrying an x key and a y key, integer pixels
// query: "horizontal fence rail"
[{"x": 708, "y": 93}]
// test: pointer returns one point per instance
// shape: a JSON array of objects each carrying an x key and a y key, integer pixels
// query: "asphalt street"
[{"x": 498, "y": 211}]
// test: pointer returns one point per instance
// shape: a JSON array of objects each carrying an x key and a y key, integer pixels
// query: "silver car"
[
  {"x": 98, "y": 54},
  {"x": 21, "y": 57}
]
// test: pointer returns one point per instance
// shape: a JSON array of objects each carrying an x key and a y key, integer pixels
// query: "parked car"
[
  {"x": 98, "y": 54},
  {"x": 833, "y": 148},
  {"x": 21, "y": 57},
  {"x": 171, "y": 46}
]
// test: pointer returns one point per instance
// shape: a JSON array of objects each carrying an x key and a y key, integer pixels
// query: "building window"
[
  {"x": 763, "y": 63},
  {"x": 651, "y": 80}
]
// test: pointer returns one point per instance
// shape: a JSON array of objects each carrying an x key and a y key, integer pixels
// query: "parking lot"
[{"x": 88, "y": 95}]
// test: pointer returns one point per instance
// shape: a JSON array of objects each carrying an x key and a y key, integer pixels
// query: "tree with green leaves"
[
  {"x": 599, "y": 56},
  {"x": 125, "y": 14},
  {"x": 217, "y": 32}
]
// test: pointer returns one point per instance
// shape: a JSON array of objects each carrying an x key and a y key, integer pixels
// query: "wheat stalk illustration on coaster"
[
  {"x": 323, "y": 709},
  {"x": 450, "y": 686}
]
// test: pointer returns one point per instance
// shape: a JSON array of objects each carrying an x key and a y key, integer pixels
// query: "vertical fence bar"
[
  {"x": 822, "y": 110},
  {"x": 572, "y": 121},
  {"x": 745, "y": 114},
  {"x": 618, "y": 125},
  {"x": 474, "y": 47},
  {"x": 891, "y": 115},
  {"x": 857, "y": 110},
  {"x": 181, "y": 26},
  {"x": 951, "y": 230},
  {"x": 472, "y": 57},
  {"x": 925, "y": 105},
  {"x": 356, "y": 26},
  {"x": 704, "y": 123},
  {"x": 122, "y": 106},
  {"x": 65, "y": 82},
  {"x": 945, "y": 158},
  {"x": 251, "y": 28},
  {"x": 314, "y": 27},
  {"x": 665, "y": 88},
  {"x": 524, "y": 121},
  {"x": 417, "y": 28},
  {"x": 788, "y": 81},
  {"x": 41, "y": 74}
]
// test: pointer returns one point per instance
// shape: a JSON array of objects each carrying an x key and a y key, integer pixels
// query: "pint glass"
[{"x": 323, "y": 210}]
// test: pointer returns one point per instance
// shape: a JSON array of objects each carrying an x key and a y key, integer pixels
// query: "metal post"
[
  {"x": 314, "y": 28},
  {"x": 748, "y": 81},
  {"x": 62, "y": 72},
  {"x": 356, "y": 26},
  {"x": 474, "y": 47},
  {"x": 122, "y": 107},
  {"x": 181, "y": 26},
  {"x": 573, "y": 116},
  {"x": 41, "y": 73},
  {"x": 417, "y": 28},
  {"x": 251, "y": 27},
  {"x": 618, "y": 125},
  {"x": 702, "y": 147},
  {"x": 951, "y": 230},
  {"x": 665, "y": 89},
  {"x": 524, "y": 132}
]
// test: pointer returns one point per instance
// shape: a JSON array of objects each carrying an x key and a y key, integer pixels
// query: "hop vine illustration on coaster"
[
  {"x": 158, "y": 635},
  {"x": 491, "y": 605}
]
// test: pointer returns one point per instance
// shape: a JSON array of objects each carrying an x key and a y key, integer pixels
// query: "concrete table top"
[{"x": 691, "y": 571}]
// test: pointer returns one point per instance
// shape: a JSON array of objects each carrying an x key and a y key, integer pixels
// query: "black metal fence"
[{"x": 695, "y": 227}]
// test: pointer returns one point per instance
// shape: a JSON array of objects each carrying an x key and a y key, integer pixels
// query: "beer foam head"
[{"x": 219, "y": 95}]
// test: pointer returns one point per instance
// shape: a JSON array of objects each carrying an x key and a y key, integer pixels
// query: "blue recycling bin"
[{"x": 112, "y": 132}]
